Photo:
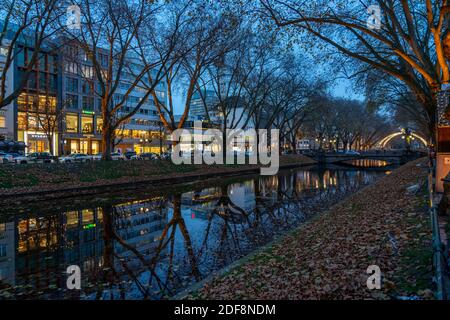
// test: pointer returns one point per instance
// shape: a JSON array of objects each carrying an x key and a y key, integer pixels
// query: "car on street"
[
  {"x": 35, "y": 157},
  {"x": 146, "y": 156},
  {"x": 76, "y": 158},
  {"x": 352, "y": 153},
  {"x": 165, "y": 156},
  {"x": 16, "y": 155},
  {"x": 6, "y": 158},
  {"x": 115, "y": 156},
  {"x": 129, "y": 154}
]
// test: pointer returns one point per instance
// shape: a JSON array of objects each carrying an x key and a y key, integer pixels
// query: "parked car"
[
  {"x": 146, "y": 156},
  {"x": 165, "y": 156},
  {"x": 76, "y": 158},
  {"x": 16, "y": 155},
  {"x": 352, "y": 153},
  {"x": 117, "y": 156},
  {"x": 6, "y": 158},
  {"x": 130, "y": 154},
  {"x": 114, "y": 156},
  {"x": 35, "y": 157}
]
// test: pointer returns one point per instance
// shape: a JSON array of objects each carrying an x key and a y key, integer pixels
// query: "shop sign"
[{"x": 37, "y": 136}]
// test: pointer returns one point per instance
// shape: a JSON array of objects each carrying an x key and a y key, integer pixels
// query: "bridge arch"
[{"x": 383, "y": 143}]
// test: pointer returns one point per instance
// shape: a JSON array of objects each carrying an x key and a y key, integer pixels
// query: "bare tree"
[
  {"x": 210, "y": 29},
  {"x": 50, "y": 120},
  {"x": 115, "y": 35},
  {"x": 25, "y": 23},
  {"x": 410, "y": 45}
]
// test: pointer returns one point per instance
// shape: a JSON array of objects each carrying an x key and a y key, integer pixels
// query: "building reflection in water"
[{"x": 153, "y": 247}]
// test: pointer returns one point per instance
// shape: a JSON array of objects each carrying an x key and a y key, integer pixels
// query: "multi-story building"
[
  {"x": 82, "y": 123},
  {"x": 7, "y": 112},
  {"x": 144, "y": 132},
  {"x": 61, "y": 91},
  {"x": 37, "y": 104},
  {"x": 197, "y": 108}
]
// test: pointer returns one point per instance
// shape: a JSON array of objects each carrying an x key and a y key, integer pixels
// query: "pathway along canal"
[{"x": 155, "y": 243}]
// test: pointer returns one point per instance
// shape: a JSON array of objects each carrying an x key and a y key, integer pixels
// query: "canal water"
[{"x": 154, "y": 243}]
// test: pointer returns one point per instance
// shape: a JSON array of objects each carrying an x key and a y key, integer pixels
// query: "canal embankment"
[
  {"x": 385, "y": 224},
  {"x": 56, "y": 181}
]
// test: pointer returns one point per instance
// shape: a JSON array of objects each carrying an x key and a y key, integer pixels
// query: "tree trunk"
[
  {"x": 50, "y": 144},
  {"x": 107, "y": 144}
]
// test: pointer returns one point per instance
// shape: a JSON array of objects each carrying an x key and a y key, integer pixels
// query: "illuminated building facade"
[
  {"x": 36, "y": 109},
  {"x": 6, "y": 113},
  {"x": 59, "y": 110},
  {"x": 82, "y": 122}
]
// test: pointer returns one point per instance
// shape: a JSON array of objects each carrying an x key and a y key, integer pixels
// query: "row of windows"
[
  {"x": 76, "y": 54},
  {"x": 41, "y": 81},
  {"x": 86, "y": 123},
  {"x": 45, "y": 62},
  {"x": 87, "y": 86}
]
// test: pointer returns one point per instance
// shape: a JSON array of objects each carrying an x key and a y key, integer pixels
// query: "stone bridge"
[{"x": 392, "y": 157}]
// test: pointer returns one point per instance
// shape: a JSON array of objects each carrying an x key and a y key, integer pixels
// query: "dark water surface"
[{"x": 153, "y": 244}]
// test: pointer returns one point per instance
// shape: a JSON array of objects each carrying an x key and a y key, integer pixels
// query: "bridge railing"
[{"x": 440, "y": 258}]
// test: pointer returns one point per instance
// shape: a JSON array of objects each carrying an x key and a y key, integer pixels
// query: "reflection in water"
[
  {"x": 368, "y": 163},
  {"x": 152, "y": 248}
]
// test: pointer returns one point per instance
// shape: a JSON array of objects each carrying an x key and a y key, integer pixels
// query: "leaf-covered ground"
[
  {"x": 328, "y": 257},
  {"x": 39, "y": 177}
]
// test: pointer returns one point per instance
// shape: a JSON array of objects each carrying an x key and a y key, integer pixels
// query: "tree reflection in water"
[{"x": 153, "y": 248}]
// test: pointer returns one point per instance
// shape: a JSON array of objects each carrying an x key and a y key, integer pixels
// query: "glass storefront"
[
  {"x": 72, "y": 123},
  {"x": 95, "y": 147},
  {"x": 138, "y": 148},
  {"x": 38, "y": 146},
  {"x": 38, "y": 142},
  {"x": 86, "y": 146},
  {"x": 87, "y": 124}
]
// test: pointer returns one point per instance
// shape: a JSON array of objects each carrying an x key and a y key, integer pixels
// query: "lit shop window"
[
  {"x": 87, "y": 124},
  {"x": 72, "y": 218},
  {"x": 72, "y": 123},
  {"x": 88, "y": 216}
]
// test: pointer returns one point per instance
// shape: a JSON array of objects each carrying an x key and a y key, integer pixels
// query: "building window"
[
  {"x": 72, "y": 123},
  {"x": 95, "y": 147},
  {"x": 87, "y": 71},
  {"x": 87, "y": 124},
  {"x": 99, "y": 125},
  {"x": 103, "y": 60},
  {"x": 72, "y": 101},
  {"x": 88, "y": 103},
  {"x": 2, "y": 122},
  {"x": 72, "y": 85},
  {"x": 87, "y": 87},
  {"x": 72, "y": 218},
  {"x": 71, "y": 67}
]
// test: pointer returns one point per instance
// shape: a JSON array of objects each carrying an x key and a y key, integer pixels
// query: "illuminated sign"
[
  {"x": 88, "y": 112},
  {"x": 89, "y": 226}
]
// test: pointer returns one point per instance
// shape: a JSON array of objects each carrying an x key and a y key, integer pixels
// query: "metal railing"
[{"x": 440, "y": 259}]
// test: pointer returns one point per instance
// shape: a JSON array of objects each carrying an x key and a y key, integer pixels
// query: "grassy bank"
[
  {"x": 30, "y": 178},
  {"x": 327, "y": 258}
]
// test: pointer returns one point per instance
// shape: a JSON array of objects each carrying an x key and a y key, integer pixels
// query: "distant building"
[
  {"x": 197, "y": 109},
  {"x": 7, "y": 113}
]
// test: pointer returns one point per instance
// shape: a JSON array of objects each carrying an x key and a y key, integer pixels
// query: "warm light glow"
[{"x": 386, "y": 140}]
